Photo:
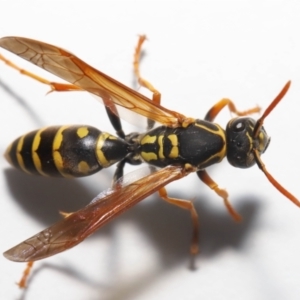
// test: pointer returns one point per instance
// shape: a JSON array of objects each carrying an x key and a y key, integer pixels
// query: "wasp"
[{"x": 179, "y": 146}]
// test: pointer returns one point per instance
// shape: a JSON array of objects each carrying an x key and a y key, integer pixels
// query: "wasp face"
[{"x": 240, "y": 142}]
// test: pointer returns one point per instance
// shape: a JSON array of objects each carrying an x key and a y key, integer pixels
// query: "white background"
[{"x": 197, "y": 53}]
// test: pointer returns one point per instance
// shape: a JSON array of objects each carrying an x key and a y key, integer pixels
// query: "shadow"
[
  {"x": 170, "y": 228},
  {"x": 42, "y": 198},
  {"x": 66, "y": 270},
  {"x": 22, "y": 102},
  {"x": 167, "y": 227}
]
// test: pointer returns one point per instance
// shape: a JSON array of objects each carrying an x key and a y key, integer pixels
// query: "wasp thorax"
[{"x": 240, "y": 142}]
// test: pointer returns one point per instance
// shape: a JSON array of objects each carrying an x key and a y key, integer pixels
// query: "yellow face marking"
[
  {"x": 147, "y": 156},
  {"x": 161, "y": 147},
  {"x": 148, "y": 139},
  {"x": 82, "y": 132},
  {"x": 58, "y": 160},
  {"x": 261, "y": 138},
  {"x": 99, "y": 153},
  {"x": 35, "y": 157},
  {"x": 19, "y": 156},
  {"x": 250, "y": 141},
  {"x": 83, "y": 167}
]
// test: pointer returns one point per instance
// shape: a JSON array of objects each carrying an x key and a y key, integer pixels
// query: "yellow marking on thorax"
[
  {"x": 161, "y": 147},
  {"x": 147, "y": 156},
  {"x": 174, "y": 141},
  {"x": 210, "y": 130},
  {"x": 187, "y": 122},
  {"x": 148, "y": 139},
  {"x": 35, "y": 157},
  {"x": 82, "y": 132},
  {"x": 222, "y": 134},
  {"x": 222, "y": 153}
]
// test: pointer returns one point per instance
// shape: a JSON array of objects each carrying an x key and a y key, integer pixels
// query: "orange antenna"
[
  {"x": 258, "y": 160},
  {"x": 260, "y": 121}
]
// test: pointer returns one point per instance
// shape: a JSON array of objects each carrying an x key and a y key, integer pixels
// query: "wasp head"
[{"x": 241, "y": 141}]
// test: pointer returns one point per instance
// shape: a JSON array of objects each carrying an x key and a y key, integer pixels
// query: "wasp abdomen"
[{"x": 66, "y": 151}]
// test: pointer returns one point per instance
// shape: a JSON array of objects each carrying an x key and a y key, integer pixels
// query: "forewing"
[
  {"x": 72, "y": 230},
  {"x": 72, "y": 69}
]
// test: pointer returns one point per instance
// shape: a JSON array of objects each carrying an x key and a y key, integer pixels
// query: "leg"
[
  {"x": 222, "y": 193},
  {"x": 115, "y": 122},
  {"x": 119, "y": 172},
  {"x": 144, "y": 83},
  {"x": 55, "y": 86},
  {"x": 64, "y": 87},
  {"x": 213, "y": 112},
  {"x": 120, "y": 168},
  {"x": 186, "y": 204},
  {"x": 23, "y": 281}
]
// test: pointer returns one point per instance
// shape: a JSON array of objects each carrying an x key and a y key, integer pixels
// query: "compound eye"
[{"x": 239, "y": 126}]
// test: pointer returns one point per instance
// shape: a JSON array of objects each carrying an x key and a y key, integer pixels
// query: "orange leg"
[
  {"x": 222, "y": 193},
  {"x": 156, "y": 98},
  {"x": 55, "y": 86},
  {"x": 213, "y": 112},
  {"x": 136, "y": 64},
  {"x": 23, "y": 281},
  {"x": 186, "y": 204}
]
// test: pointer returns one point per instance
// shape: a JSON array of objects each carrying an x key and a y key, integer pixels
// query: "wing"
[
  {"x": 72, "y": 69},
  {"x": 72, "y": 230}
]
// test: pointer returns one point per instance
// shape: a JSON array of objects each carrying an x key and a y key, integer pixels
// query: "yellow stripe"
[
  {"x": 35, "y": 156},
  {"x": 7, "y": 154},
  {"x": 19, "y": 156},
  {"x": 99, "y": 153},
  {"x": 58, "y": 160},
  {"x": 210, "y": 130}
]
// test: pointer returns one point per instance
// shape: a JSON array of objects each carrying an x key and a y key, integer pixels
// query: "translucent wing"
[
  {"x": 72, "y": 230},
  {"x": 72, "y": 69}
]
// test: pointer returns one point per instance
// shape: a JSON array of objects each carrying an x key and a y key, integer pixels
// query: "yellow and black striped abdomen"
[{"x": 66, "y": 151}]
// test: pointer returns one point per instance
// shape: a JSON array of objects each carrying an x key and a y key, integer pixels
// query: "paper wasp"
[{"x": 178, "y": 147}]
